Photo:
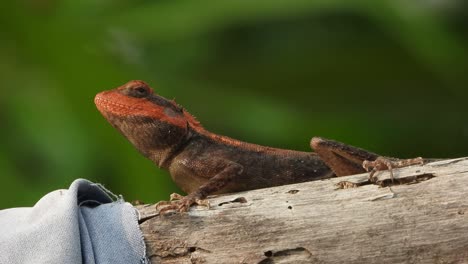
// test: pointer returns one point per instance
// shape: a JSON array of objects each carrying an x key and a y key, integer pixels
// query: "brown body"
[
  {"x": 204, "y": 157},
  {"x": 203, "y": 163}
]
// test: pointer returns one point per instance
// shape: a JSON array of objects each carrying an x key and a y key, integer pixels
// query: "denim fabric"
[{"x": 79, "y": 225}]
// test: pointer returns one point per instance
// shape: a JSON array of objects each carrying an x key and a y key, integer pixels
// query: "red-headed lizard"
[{"x": 203, "y": 163}]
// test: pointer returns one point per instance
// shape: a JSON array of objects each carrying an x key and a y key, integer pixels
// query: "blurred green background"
[{"x": 389, "y": 76}]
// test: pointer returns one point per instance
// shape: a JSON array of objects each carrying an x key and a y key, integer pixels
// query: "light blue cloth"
[{"x": 79, "y": 225}]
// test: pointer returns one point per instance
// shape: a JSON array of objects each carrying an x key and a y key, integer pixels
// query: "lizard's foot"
[
  {"x": 180, "y": 203},
  {"x": 384, "y": 163}
]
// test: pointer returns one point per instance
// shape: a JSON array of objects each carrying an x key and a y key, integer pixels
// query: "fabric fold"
[{"x": 84, "y": 224}]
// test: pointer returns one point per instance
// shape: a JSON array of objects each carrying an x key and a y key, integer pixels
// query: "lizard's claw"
[
  {"x": 384, "y": 163},
  {"x": 175, "y": 197},
  {"x": 180, "y": 203}
]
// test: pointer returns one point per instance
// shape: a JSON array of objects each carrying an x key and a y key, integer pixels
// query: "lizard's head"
[{"x": 150, "y": 122}]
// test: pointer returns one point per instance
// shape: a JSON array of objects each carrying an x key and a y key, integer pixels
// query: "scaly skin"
[{"x": 203, "y": 163}]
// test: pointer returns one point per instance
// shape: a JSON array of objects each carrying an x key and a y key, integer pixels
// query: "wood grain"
[{"x": 422, "y": 217}]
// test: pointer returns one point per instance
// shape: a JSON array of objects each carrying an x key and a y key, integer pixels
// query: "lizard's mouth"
[{"x": 106, "y": 106}]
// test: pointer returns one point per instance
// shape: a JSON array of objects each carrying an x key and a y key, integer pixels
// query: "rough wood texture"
[{"x": 424, "y": 220}]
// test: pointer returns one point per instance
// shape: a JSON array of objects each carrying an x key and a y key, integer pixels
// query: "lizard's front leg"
[{"x": 218, "y": 181}]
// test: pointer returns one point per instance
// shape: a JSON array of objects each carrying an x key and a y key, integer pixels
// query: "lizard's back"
[{"x": 207, "y": 154}]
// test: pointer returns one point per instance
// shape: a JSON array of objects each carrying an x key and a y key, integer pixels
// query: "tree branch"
[{"x": 420, "y": 217}]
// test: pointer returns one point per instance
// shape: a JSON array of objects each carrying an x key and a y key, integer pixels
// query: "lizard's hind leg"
[
  {"x": 346, "y": 160},
  {"x": 385, "y": 163},
  {"x": 342, "y": 159}
]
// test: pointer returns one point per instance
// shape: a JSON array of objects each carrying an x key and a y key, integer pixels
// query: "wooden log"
[{"x": 421, "y": 217}]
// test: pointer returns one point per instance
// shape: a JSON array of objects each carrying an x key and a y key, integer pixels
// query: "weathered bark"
[{"x": 422, "y": 217}]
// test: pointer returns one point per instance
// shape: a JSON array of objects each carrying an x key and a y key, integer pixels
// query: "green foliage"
[{"x": 390, "y": 76}]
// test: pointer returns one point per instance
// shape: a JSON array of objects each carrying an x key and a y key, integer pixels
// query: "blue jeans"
[{"x": 84, "y": 224}]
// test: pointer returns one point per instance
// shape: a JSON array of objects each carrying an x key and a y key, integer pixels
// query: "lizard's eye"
[{"x": 139, "y": 91}]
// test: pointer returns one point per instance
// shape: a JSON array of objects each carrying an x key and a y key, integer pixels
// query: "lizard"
[{"x": 202, "y": 163}]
